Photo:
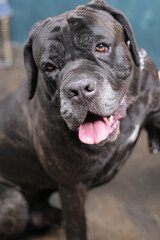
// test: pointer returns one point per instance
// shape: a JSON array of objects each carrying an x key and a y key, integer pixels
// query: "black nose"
[{"x": 84, "y": 89}]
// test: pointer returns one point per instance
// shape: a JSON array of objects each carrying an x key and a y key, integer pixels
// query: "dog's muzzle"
[{"x": 90, "y": 105}]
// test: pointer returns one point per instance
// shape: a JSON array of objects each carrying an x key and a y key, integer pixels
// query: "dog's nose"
[{"x": 84, "y": 89}]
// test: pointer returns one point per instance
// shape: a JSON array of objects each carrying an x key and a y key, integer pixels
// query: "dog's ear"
[
  {"x": 119, "y": 16},
  {"x": 31, "y": 68}
]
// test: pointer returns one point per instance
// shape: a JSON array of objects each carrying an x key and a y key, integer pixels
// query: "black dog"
[{"x": 94, "y": 92}]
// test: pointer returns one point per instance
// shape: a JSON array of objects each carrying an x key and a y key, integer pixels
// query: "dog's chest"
[
  {"x": 66, "y": 159},
  {"x": 70, "y": 160}
]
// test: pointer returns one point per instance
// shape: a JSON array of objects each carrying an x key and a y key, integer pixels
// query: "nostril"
[
  {"x": 90, "y": 88},
  {"x": 72, "y": 93}
]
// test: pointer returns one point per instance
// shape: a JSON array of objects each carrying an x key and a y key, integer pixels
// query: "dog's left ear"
[
  {"x": 31, "y": 68},
  {"x": 119, "y": 16}
]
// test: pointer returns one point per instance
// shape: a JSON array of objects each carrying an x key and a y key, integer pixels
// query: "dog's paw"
[{"x": 153, "y": 139}]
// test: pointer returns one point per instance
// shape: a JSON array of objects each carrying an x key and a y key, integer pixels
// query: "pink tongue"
[{"x": 94, "y": 132}]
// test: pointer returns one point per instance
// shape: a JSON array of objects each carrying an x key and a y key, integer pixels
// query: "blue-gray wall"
[{"x": 144, "y": 16}]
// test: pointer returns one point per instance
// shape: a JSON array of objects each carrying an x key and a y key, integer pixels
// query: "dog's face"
[{"x": 83, "y": 59}]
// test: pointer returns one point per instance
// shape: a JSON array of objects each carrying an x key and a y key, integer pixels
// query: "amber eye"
[
  {"x": 101, "y": 47},
  {"x": 50, "y": 67}
]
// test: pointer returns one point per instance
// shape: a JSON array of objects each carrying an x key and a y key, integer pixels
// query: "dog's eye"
[
  {"x": 49, "y": 67},
  {"x": 101, "y": 47}
]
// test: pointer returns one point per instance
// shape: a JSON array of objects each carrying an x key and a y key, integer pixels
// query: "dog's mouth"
[{"x": 100, "y": 129}]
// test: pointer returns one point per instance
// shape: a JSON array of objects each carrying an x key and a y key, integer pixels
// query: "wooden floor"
[{"x": 128, "y": 208}]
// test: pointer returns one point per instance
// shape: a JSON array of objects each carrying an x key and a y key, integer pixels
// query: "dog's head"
[{"x": 84, "y": 58}]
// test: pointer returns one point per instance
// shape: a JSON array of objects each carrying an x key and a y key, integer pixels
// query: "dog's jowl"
[{"x": 91, "y": 91}]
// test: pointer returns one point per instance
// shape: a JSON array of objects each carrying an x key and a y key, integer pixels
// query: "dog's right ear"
[{"x": 31, "y": 68}]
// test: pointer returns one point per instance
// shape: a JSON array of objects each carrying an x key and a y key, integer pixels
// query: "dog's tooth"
[
  {"x": 122, "y": 103},
  {"x": 110, "y": 119}
]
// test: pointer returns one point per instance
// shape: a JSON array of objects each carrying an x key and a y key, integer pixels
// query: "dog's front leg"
[{"x": 73, "y": 200}]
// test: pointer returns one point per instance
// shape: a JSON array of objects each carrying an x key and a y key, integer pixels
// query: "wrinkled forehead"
[
  {"x": 79, "y": 27},
  {"x": 76, "y": 22}
]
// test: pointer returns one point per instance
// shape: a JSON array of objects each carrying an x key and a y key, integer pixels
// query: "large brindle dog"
[{"x": 92, "y": 91}]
